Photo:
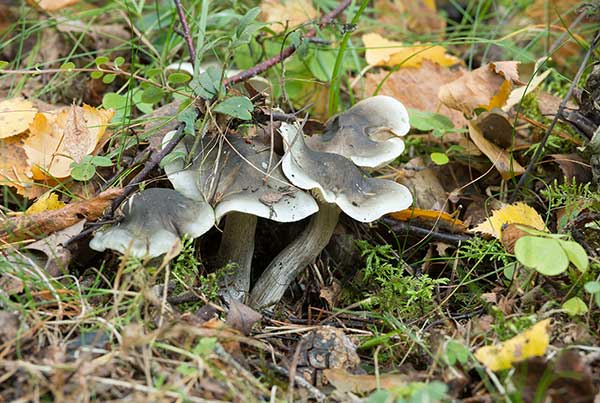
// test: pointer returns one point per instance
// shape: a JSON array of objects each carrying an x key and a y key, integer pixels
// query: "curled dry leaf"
[
  {"x": 507, "y": 167},
  {"x": 383, "y": 52},
  {"x": 14, "y": 170},
  {"x": 287, "y": 13},
  {"x": 417, "y": 88},
  {"x": 345, "y": 382},
  {"x": 51, "y": 5},
  {"x": 487, "y": 87},
  {"x": 15, "y": 116},
  {"x": 533, "y": 342},
  {"x": 59, "y": 138},
  {"x": 518, "y": 213},
  {"x": 38, "y": 225},
  {"x": 511, "y": 233}
]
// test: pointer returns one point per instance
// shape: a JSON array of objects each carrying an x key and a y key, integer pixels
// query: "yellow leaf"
[
  {"x": 428, "y": 215},
  {"x": 58, "y": 138},
  {"x": 383, "y": 52},
  {"x": 533, "y": 342},
  {"x": 15, "y": 116},
  {"x": 290, "y": 13},
  {"x": 518, "y": 213},
  {"x": 47, "y": 201}
]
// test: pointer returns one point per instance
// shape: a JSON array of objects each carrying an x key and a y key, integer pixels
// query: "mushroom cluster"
[{"x": 241, "y": 179}]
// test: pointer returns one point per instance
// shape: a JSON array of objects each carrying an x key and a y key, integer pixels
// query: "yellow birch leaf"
[
  {"x": 287, "y": 13},
  {"x": 15, "y": 116},
  {"x": 47, "y": 201},
  {"x": 383, "y": 52},
  {"x": 518, "y": 213},
  {"x": 533, "y": 342}
]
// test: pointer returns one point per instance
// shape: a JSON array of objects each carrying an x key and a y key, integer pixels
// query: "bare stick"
[
  {"x": 563, "y": 104},
  {"x": 186, "y": 30}
]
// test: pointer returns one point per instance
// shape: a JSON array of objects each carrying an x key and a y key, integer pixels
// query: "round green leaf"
[
  {"x": 101, "y": 161},
  {"x": 109, "y": 78},
  {"x": 541, "y": 254},
  {"x": 439, "y": 158},
  {"x": 96, "y": 74},
  {"x": 3, "y": 64},
  {"x": 83, "y": 172},
  {"x": 179, "y": 78},
  {"x": 111, "y": 100},
  {"x": 576, "y": 254},
  {"x": 67, "y": 66},
  {"x": 119, "y": 61},
  {"x": 238, "y": 107},
  {"x": 575, "y": 306},
  {"x": 593, "y": 287},
  {"x": 101, "y": 60},
  {"x": 152, "y": 95}
]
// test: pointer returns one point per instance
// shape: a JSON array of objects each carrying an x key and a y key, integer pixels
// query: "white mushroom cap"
[
  {"x": 339, "y": 181},
  {"x": 368, "y": 133},
  {"x": 232, "y": 176},
  {"x": 155, "y": 219}
]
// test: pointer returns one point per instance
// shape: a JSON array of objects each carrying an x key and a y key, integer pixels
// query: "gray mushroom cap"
[
  {"x": 369, "y": 133},
  {"x": 231, "y": 174},
  {"x": 154, "y": 221},
  {"x": 337, "y": 180}
]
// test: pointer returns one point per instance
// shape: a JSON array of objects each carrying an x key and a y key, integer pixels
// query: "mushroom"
[
  {"x": 369, "y": 133},
  {"x": 154, "y": 220},
  {"x": 339, "y": 185},
  {"x": 233, "y": 175}
]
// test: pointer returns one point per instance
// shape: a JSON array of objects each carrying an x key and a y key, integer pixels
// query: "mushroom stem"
[
  {"x": 237, "y": 246},
  {"x": 290, "y": 262}
]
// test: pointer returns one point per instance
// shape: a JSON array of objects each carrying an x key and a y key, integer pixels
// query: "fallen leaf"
[
  {"x": 14, "y": 170},
  {"x": 487, "y": 87},
  {"x": 383, "y": 52},
  {"x": 15, "y": 116},
  {"x": 59, "y": 138},
  {"x": 496, "y": 127},
  {"x": 518, "y": 213},
  {"x": 52, "y": 5},
  {"x": 510, "y": 234},
  {"x": 507, "y": 167},
  {"x": 41, "y": 224},
  {"x": 517, "y": 95},
  {"x": 417, "y": 88},
  {"x": 9, "y": 326},
  {"x": 287, "y": 13},
  {"x": 47, "y": 201},
  {"x": 345, "y": 382},
  {"x": 533, "y": 342},
  {"x": 424, "y": 183},
  {"x": 418, "y": 16},
  {"x": 241, "y": 317},
  {"x": 432, "y": 216}
]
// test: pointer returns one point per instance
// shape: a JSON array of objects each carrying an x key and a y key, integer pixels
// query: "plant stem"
[{"x": 290, "y": 262}]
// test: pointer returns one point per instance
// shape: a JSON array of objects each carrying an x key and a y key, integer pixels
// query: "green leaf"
[
  {"x": 321, "y": 65},
  {"x": 153, "y": 72},
  {"x": 576, "y": 254},
  {"x": 118, "y": 103},
  {"x": 593, "y": 287},
  {"x": 179, "y": 78},
  {"x": 136, "y": 98},
  {"x": 456, "y": 351},
  {"x": 380, "y": 396},
  {"x": 205, "y": 346},
  {"x": 439, "y": 158},
  {"x": 575, "y": 306},
  {"x": 429, "y": 121},
  {"x": 101, "y": 161},
  {"x": 83, "y": 171},
  {"x": 109, "y": 78},
  {"x": 542, "y": 254},
  {"x": 101, "y": 60},
  {"x": 67, "y": 66},
  {"x": 207, "y": 85},
  {"x": 3, "y": 64},
  {"x": 238, "y": 107},
  {"x": 119, "y": 61},
  {"x": 152, "y": 95},
  {"x": 96, "y": 74}
]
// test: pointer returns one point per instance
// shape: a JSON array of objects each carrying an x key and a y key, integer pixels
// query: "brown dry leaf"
[
  {"x": 15, "y": 116},
  {"x": 424, "y": 183},
  {"x": 52, "y": 5},
  {"x": 511, "y": 233},
  {"x": 287, "y": 13},
  {"x": 506, "y": 166},
  {"x": 56, "y": 257},
  {"x": 487, "y": 87},
  {"x": 241, "y": 317},
  {"x": 38, "y": 225},
  {"x": 518, "y": 213},
  {"x": 14, "y": 170},
  {"x": 383, "y": 52},
  {"x": 59, "y": 138},
  {"x": 418, "y": 88},
  {"x": 347, "y": 382},
  {"x": 419, "y": 16}
]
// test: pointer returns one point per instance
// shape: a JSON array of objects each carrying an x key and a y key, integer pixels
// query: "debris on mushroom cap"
[
  {"x": 339, "y": 181},
  {"x": 368, "y": 133},
  {"x": 153, "y": 223},
  {"x": 231, "y": 174}
]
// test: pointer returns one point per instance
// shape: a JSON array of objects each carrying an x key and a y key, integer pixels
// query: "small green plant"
[
  {"x": 593, "y": 287},
  {"x": 413, "y": 392},
  {"x": 456, "y": 352},
  {"x": 389, "y": 286},
  {"x": 86, "y": 169}
]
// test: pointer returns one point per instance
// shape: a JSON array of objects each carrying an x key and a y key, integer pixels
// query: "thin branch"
[
  {"x": 563, "y": 104},
  {"x": 287, "y": 52},
  {"x": 186, "y": 31},
  {"x": 404, "y": 228}
]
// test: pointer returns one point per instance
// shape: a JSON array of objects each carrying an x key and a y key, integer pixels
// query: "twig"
[
  {"x": 563, "y": 104},
  {"x": 186, "y": 31},
  {"x": 403, "y": 228},
  {"x": 300, "y": 381},
  {"x": 287, "y": 52}
]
